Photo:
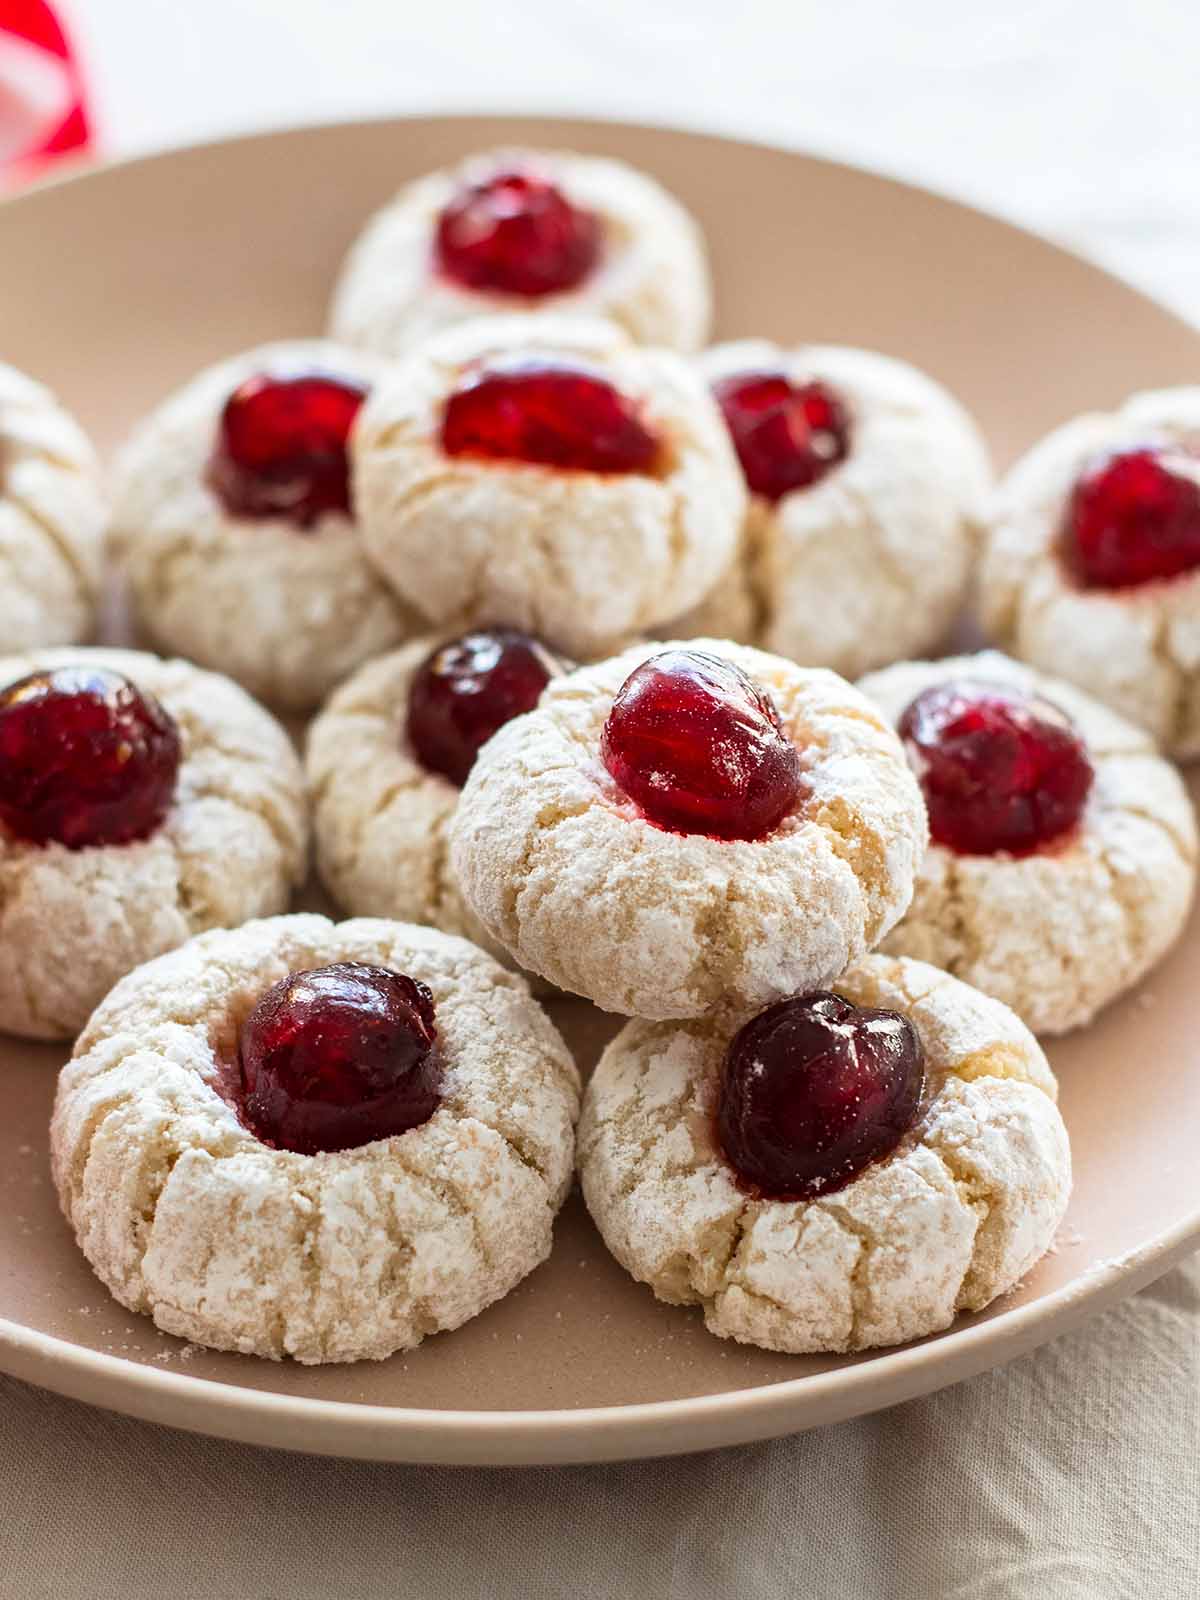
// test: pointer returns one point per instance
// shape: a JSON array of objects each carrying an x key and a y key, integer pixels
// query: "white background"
[{"x": 1079, "y": 119}]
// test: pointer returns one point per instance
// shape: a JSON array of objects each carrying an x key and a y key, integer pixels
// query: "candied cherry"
[
  {"x": 281, "y": 446},
  {"x": 334, "y": 1057},
  {"x": 1133, "y": 516},
  {"x": 86, "y": 758},
  {"x": 515, "y": 232},
  {"x": 1001, "y": 771},
  {"x": 813, "y": 1090},
  {"x": 698, "y": 746},
  {"x": 466, "y": 689},
  {"x": 550, "y": 414},
  {"x": 787, "y": 435}
]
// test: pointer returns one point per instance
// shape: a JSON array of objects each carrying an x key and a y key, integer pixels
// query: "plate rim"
[
  {"x": 77, "y": 167},
  {"x": 550, "y": 1436},
  {"x": 564, "y": 1435}
]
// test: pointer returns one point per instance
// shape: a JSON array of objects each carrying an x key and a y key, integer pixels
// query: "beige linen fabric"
[{"x": 1032, "y": 1482}]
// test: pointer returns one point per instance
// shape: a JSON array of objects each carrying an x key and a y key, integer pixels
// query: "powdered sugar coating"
[
  {"x": 964, "y": 1206},
  {"x": 381, "y": 820},
  {"x": 286, "y": 611},
  {"x": 52, "y": 517},
  {"x": 652, "y": 279},
  {"x": 568, "y": 875},
  {"x": 872, "y": 562},
  {"x": 232, "y": 846},
  {"x": 1137, "y": 650},
  {"x": 579, "y": 558},
  {"x": 339, "y": 1256},
  {"x": 1057, "y": 934}
]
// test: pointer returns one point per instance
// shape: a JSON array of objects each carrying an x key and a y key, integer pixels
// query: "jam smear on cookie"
[
  {"x": 86, "y": 758},
  {"x": 698, "y": 746},
  {"x": 337, "y": 1056},
  {"x": 468, "y": 688},
  {"x": 549, "y": 414},
  {"x": 1133, "y": 517},
  {"x": 516, "y": 233},
  {"x": 1001, "y": 770},
  {"x": 281, "y": 448},
  {"x": 787, "y": 435},
  {"x": 813, "y": 1090}
]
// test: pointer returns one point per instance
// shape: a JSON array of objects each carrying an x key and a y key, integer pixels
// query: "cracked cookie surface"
[
  {"x": 381, "y": 820},
  {"x": 1136, "y": 649},
  {"x": 233, "y": 845},
  {"x": 316, "y": 609},
  {"x": 339, "y": 1256},
  {"x": 652, "y": 278},
  {"x": 52, "y": 517},
  {"x": 885, "y": 541},
  {"x": 568, "y": 874},
  {"x": 581, "y": 559},
  {"x": 1059, "y": 933},
  {"x": 953, "y": 1217}
]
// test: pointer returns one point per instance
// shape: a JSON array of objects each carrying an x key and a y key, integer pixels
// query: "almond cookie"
[
  {"x": 682, "y": 825},
  {"x": 521, "y": 231},
  {"x": 1063, "y": 856},
  {"x": 1092, "y": 567},
  {"x": 387, "y": 757},
  {"x": 52, "y": 517},
  {"x": 141, "y": 801},
  {"x": 319, "y": 1140},
  {"x": 844, "y": 1170},
  {"x": 233, "y": 514},
  {"x": 548, "y": 473},
  {"x": 867, "y": 485}
]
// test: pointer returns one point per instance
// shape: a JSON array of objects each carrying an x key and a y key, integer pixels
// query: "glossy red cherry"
[
  {"x": 516, "y": 233},
  {"x": 787, "y": 435},
  {"x": 1133, "y": 516},
  {"x": 551, "y": 415},
  {"x": 337, "y": 1056},
  {"x": 281, "y": 447},
  {"x": 466, "y": 689},
  {"x": 813, "y": 1090},
  {"x": 86, "y": 758},
  {"x": 698, "y": 746},
  {"x": 1001, "y": 771}
]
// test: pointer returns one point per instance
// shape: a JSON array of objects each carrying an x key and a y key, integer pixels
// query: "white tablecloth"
[{"x": 1073, "y": 1474}]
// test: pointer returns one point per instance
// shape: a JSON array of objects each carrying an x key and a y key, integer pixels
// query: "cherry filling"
[
  {"x": 86, "y": 758},
  {"x": 813, "y": 1090},
  {"x": 337, "y": 1056},
  {"x": 699, "y": 748},
  {"x": 516, "y": 233},
  {"x": 1133, "y": 516},
  {"x": 787, "y": 435},
  {"x": 465, "y": 690},
  {"x": 1001, "y": 771},
  {"x": 281, "y": 447},
  {"x": 549, "y": 414}
]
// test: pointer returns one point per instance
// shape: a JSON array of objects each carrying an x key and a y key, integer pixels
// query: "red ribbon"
[{"x": 33, "y": 21}]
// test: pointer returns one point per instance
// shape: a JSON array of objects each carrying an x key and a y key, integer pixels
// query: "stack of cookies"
[{"x": 577, "y": 605}]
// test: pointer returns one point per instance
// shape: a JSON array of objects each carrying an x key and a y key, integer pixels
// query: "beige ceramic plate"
[{"x": 116, "y": 285}]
